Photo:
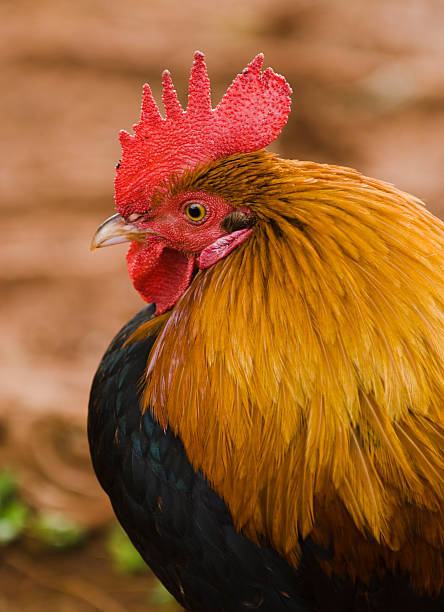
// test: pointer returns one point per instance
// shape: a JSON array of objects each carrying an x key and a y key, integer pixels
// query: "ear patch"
[{"x": 221, "y": 247}]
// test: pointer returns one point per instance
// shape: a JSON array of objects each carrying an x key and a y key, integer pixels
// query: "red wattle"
[{"x": 160, "y": 274}]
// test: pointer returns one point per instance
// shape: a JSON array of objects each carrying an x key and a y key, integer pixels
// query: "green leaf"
[
  {"x": 160, "y": 596},
  {"x": 125, "y": 557},
  {"x": 12, "y": 520},
  {"x": 56, "y": 531},
  {"x": 8, "y": 486}
]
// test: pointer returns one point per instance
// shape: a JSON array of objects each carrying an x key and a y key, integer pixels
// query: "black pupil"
[{"x": 195, "y": 211}]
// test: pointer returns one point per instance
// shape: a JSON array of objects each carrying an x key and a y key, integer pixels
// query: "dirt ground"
[
  {"x": 368, "y": 84},
  {"x": 73, "y": 581}
]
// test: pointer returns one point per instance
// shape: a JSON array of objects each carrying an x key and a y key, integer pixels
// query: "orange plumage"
[
  {"x": 326, "y": 379},
  {"x": 302, "y": 369}
]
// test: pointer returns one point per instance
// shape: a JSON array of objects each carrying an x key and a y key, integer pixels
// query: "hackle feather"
[{"x": 304, "y": 371}]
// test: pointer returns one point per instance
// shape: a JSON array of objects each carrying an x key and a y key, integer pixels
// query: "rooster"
[{"x": 269, "y": 428}]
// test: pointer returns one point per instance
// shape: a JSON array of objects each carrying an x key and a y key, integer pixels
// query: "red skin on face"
[{"x": 161, "y": 268}]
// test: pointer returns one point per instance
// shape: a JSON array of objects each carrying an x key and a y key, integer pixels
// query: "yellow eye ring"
[{"x": 195, "y": 212}]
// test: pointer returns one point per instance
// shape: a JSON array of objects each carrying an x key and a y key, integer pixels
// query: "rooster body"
[{"x": 270, "y": 433}]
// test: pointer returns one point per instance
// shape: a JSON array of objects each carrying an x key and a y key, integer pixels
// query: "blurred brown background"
[{"x": 368, "y": 81}]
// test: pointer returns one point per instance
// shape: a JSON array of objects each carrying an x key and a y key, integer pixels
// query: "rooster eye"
[{"x": 195, "y": 212}]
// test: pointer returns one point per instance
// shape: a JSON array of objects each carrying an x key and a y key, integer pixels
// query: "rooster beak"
[{"x": 116, "y": 230}]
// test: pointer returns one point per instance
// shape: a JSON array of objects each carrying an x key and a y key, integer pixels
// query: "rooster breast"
[{"x": 180, "y": 526}]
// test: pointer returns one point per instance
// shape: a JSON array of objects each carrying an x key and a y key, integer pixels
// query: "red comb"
[{"x": 249, "y": 117}]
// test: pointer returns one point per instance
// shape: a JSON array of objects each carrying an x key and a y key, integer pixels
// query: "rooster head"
[{"x": 174, "y": 228}]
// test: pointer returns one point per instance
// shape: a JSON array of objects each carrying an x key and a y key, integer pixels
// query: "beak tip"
[{"x": 116, "y": 230}]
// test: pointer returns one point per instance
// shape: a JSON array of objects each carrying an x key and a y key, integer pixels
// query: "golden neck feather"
[{"x": 306, "y": 368}]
